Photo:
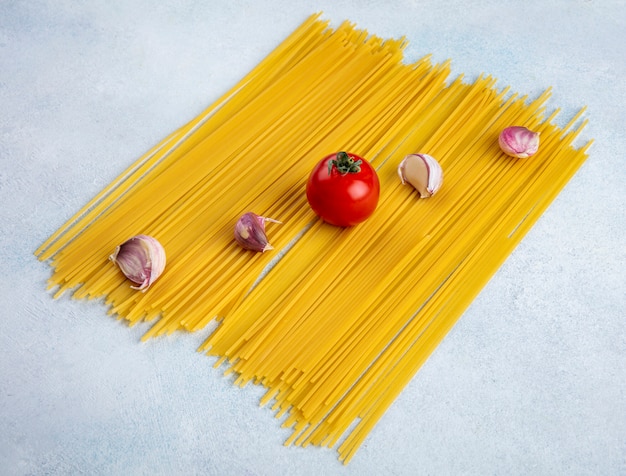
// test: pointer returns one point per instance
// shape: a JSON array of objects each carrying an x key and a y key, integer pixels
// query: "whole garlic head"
[{"x": 423, "y": 172}]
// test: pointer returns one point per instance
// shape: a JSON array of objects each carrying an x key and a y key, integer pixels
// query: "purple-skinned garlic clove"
[
  {"x": 518, "y": 141},
  {"x": 141, "y": 259},
  {"x": 423, "y": 172},
  {"x": 250, "y": 232}
]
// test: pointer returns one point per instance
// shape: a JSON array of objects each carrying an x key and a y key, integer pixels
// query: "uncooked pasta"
[{"x": 334, "y": 322}]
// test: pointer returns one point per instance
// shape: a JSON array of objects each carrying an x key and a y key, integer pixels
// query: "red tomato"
[{"x": 343, "y": 189}]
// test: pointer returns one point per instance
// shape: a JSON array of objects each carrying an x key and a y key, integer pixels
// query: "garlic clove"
[
  {"x": 518, "y": 141},
  {"x": 250, "y": 232},
  {"x": 141, "y": 259},
  {"x": 423, "y": 172}
]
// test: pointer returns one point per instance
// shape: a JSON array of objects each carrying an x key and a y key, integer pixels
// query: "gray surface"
[{"x": 531, "y": 380}]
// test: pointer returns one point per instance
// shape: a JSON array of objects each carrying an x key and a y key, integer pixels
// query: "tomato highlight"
[{"x": 343, "y": 189}]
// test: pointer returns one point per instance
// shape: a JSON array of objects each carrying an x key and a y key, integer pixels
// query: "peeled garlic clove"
[
  {"x": 518, "y": 141},
  {"x": 250, "y": 232},
  {"x": 141, "y": 259},
  {"x": 423, "y": 172}
]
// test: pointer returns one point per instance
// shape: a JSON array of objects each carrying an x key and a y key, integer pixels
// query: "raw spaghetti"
[{"x": 333, "y": 356}]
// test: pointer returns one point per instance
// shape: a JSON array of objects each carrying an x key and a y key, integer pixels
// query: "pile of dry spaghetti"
[{"x": 342, "y": 321}]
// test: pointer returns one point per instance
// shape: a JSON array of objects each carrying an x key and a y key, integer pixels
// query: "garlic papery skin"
[
  {"x": 423, "y": 172},
  {"x": 518, "y": 141},
  {"x": 250, "y": 232},
  {"x": 141, "y": 259}
]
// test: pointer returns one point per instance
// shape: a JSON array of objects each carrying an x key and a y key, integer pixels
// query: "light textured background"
[{"x": 531, "y": 380}]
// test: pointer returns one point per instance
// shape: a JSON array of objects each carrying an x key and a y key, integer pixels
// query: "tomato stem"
[{"x": 344, "y": 164}]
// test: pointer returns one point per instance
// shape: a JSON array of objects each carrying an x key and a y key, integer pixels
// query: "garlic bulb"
[
  {"x": 250, "y": 232},
  {"x": 518, "y": 141},
  {"x": 423, "y": 172},
  {"x": 141, "y": 259}
]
